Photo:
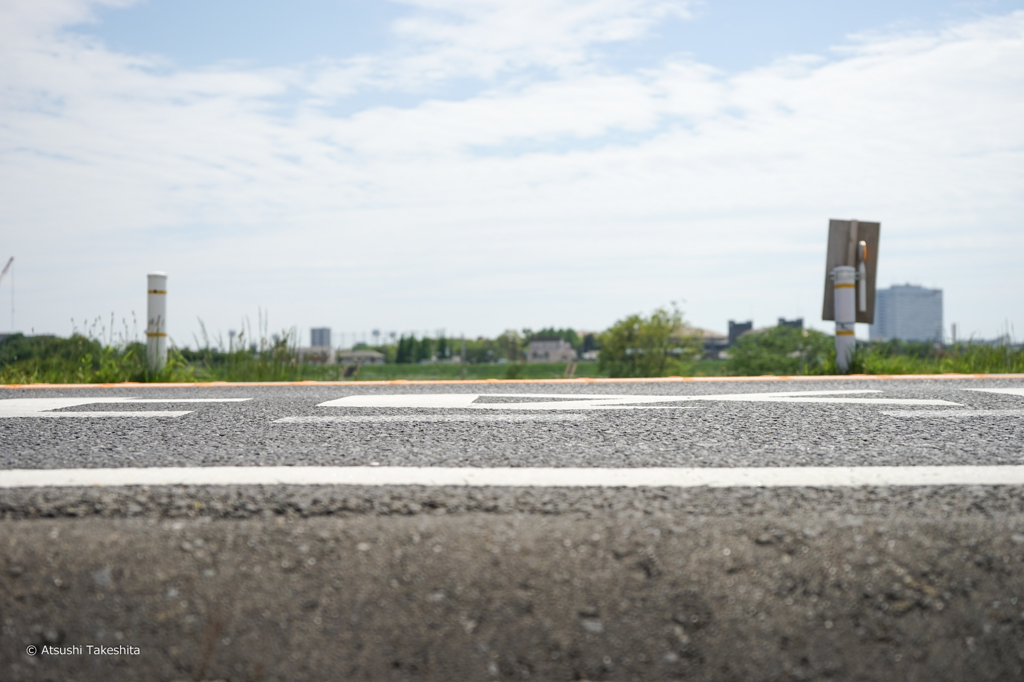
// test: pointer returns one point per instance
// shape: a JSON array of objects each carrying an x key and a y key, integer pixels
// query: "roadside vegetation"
[
  {"x": 639, "y": 346},
  {"x": 635, "y": 346},
  {"x": 782, "y": 350},
  {"x": 901, "y": 357}
]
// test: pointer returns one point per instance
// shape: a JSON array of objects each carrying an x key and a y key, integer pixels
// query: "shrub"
[
  {"x": 639, "y": 346},
  {"x": 781, "y": 350}
]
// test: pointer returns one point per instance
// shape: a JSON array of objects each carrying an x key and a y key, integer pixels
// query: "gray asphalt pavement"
[{"x": 243, "y": 582}]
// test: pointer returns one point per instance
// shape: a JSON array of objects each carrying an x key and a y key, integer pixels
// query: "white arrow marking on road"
[
  {"x": 41, "y": 407},
  {"x": 1004, "y": 391},
  {"x": 561, "y": 401},
  {"x": 955, "y": 413},
  {"x": 522, "y": 477},
  {"x": 432, "y": 418}
]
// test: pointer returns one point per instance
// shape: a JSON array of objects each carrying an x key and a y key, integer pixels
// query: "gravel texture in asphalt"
[
  {"x": 293, "y": 582},
  {"x": 714, "y": 433}
]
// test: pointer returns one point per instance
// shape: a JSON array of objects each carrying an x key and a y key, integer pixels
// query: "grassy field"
[
  {"x": 81, "y": 360},
  {"x": 41, "y": 359}
]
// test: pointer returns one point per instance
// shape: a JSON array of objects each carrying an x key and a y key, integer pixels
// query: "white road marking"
[
  {"x": 814, "y": 477},
  {"x": 41, "y": 407},
  {"x": 955, "y": 413},
  {"x": 1004, "y": 391},
  {"x": 474, "y": 418},
  {"x": 561, "y": 401}
]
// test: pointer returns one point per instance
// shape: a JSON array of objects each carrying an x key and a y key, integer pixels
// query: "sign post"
[{"x": 850, "y": 268}]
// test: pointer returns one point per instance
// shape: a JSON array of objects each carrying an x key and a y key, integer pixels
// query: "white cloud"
[
  {"x": 488, "y": 36},
  {"x": 572, "y": 198}
]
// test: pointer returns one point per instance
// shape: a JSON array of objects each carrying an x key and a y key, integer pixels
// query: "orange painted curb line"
[{"x": 486, "y": 382}]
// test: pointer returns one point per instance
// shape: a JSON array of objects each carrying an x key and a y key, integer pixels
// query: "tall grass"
[
  {"x": 959, "y": 359},
  {"x": 895, "y": 357},
  {"x": 97, "y": 354},
  {"x": 113, "y": 354},
  {"x": 255, "y": 357}
]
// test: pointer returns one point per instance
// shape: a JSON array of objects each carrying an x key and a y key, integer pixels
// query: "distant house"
[
  {"x": 323, "y": 355},
  {"x": 712, "y": 343},
  {"x": 361, "y": 357},
  {"x": 550, "y": 349}
]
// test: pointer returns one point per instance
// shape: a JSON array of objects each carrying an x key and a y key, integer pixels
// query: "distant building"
[
  {"x": 712, "y": 343},
  {"x": 320, "y": 355},
  {"x": 550, "y": 349},
  {"x": 361, "y": 357},
  {"x": 738, "y": 329},
  {"x": 798, "y": 323},
  {"x": 320, "y": 337},
  {"x": 909, "y": 313}
]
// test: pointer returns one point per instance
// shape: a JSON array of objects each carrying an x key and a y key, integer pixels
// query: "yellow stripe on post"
[
  {"x": 156, "y": 320},
  {"x": 845, "y": 286}
]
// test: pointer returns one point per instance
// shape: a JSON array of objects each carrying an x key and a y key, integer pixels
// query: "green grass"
[
  {"x": 78, "y": 359},
  {"x": 959, "y": 359}
]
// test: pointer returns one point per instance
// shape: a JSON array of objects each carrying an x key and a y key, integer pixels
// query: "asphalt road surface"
[{"x": 709, "y": 530}]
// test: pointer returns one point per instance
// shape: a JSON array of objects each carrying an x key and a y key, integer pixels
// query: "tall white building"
[{"x": 909, "y": 313}]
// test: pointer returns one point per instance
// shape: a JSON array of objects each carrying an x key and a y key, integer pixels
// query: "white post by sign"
[
  {"x": 844, "y": 280},
  {"x": 156, "y": 327}
]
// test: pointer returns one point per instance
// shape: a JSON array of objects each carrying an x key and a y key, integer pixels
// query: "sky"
[{"x": 477, "y": 165}]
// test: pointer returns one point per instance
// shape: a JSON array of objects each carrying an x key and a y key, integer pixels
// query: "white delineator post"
[
  {"x": 844, "y": 279},
  {"x": 156, "y": 326}
]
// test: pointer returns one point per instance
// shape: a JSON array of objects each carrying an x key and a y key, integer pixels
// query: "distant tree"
[
  {"x": 404, "y": 353},
  {"x": 442, "y": 347},
  {"x": 424, "y": 349},
  {"x": 481, "y": 350},
  {"x": 639, "y": 346},
  {"x": 780, "y": 350},
  {"x": 590, "y": 342},
  {"x": 510, "y": 345}
]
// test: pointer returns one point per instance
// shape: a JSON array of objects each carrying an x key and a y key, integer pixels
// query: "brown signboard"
[{"x": 843, "y": 238}]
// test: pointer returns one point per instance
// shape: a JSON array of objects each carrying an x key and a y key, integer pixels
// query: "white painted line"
[
  {"x": 816, "y": 477},
  {"x": 955, "y": 413},
  {"x": 186, "y": 400},
  {"x": 433, "y": 418},
  {"x": 561, "y": 401},
  {"x": 1004, "y": 391},
  {"x": 41, "y": 407}
]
